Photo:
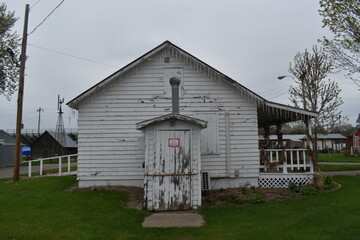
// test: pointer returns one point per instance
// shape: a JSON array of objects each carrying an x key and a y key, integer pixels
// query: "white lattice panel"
[{"x": 283, "y": 181}]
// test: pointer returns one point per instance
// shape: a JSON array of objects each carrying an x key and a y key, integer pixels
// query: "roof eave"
[
  {"x": 199, "y": 122},
  {"x": 74, "y": 103}
]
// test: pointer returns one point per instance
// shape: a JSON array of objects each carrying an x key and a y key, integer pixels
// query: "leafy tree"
[
  {"x": 9, "y": 53},
  {"x": 300, "y": 128},
  {"x": 343, "y": 19},
  {"x": 311, "y": 91},
  {"x": 345, "y": 129}
]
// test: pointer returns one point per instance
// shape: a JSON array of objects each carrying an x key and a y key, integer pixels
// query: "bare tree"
[
  {"x": 311, "y": 90},
  {"x": 342, "y": 17}
]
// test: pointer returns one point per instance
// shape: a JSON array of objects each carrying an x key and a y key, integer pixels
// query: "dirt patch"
[
  {"x": 240, "y": 195},
  {"x": 234, "y": 196},
  {"x": 136, "y": 194},
  {"x": 218, "y": 198}
]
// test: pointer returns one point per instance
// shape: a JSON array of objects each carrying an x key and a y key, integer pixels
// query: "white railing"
[
  {"x": 59, "y": 158},
  {"x": 295, "y": 160}
]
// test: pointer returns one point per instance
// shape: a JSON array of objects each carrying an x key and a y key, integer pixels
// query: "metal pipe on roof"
[{"x": 175, "y": 82}]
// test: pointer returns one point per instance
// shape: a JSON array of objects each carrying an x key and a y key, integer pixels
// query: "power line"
[
  {"x": 34, "y": 4},
  {"x": 273, "y": 89},
  {"x": 278, "y": 95},
  {"x": 46, "y": 16},
  {"x": 73, "y": 56}
]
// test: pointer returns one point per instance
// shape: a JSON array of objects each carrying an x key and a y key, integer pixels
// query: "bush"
[
  {"x": 307, "y": 191},
  {"x": 244, "y": 188},
  {"x": 293, "y": 187},
  {"x": 328, "y": 180},
  {"x": 347, "y": 153},
  {"x": 257, "y": 199}
]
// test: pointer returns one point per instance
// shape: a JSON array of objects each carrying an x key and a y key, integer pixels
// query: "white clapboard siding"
[{"x": 111, "y": 150}]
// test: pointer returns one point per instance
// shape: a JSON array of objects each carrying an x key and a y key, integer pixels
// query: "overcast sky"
[{"x": 252, "y": 42}]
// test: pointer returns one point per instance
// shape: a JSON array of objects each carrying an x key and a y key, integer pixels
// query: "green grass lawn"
[
  {"x": 337, "y": 157},
  {"x": 331, "y": 168},
  {"x": 40, "y": 208}
]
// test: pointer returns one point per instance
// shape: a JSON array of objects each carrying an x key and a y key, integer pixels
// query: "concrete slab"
[{"x": 173, "y": 219}]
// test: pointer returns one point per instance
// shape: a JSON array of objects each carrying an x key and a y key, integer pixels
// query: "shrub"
[
  {"x": 256, "y": 199},
  {"x": 307, "y": 191},
  {"x": 244, "y": 188},
  {"x": 293, "y": 187},
  {"x": 328, "y": 180},
  {"x": 347, "y": 153}
]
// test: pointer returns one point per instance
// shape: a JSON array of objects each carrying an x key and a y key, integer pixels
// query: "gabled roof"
[
  {"x": 6, "y": 137},
  {"x": 171, "y": 116},
  {"x": 69, "y": 143},
  {"x": 331, "y": 136},
  {"x": 286, "y": 112}
]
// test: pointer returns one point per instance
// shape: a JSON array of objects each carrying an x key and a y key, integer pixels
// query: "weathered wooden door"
[{"x": 172, "y": 178}]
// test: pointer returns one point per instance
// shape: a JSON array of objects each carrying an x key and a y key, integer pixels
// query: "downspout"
[{"x": 227, "y": 133}]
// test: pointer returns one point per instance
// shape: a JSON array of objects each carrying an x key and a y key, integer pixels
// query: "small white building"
[
  {"x": 113, "y": 148},
  {"x": 331, "y": 141}
]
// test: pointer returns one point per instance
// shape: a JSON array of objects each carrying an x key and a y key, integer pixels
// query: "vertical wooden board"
[{"x": 172, "y": 191}]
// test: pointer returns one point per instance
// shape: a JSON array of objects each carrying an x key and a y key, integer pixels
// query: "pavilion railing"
[{"x": 285, "y": 161}]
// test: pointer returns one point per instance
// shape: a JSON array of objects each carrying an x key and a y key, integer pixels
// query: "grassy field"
[
  {"x": 332, "y": 168},
  {"x": 337, "y": 157},
  {"x": 41, "y": 208}
]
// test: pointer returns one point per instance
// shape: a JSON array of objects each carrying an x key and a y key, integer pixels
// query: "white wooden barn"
[{"x": 122, "y": 119}]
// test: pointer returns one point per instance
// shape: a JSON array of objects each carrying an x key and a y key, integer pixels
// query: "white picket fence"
[
  {"x": 58, "y": 158},
  {"x": 295, "y": 160}
]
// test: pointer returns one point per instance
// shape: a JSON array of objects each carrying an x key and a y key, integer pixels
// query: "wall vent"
[{"x": 205, "y": 181}]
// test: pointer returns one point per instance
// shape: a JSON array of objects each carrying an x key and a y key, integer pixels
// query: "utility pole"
[
  {"x": 39, "y": 110},
  {"x": 20, "y": 97}
]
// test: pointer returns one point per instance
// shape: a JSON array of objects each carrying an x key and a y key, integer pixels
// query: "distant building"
[
  {"x": 7, "y": 149},
  {"x": 290, "y": 141},
  {"x": 49, "y": 145},
  {"x": 353, "y": 141},
  {"x": 333, "y": 141},
  {"x": 325, "y": 142}
]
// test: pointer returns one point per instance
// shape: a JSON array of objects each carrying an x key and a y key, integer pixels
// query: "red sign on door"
[{"x": 174, "y": 142}]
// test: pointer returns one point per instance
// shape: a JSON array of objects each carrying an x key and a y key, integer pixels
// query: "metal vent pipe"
[{"x": 175, "y": 82}]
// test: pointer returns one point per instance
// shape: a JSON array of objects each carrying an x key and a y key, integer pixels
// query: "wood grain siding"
[
  {"x": 112, "y": 150},
  {"x": 154, "y": 133}
]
